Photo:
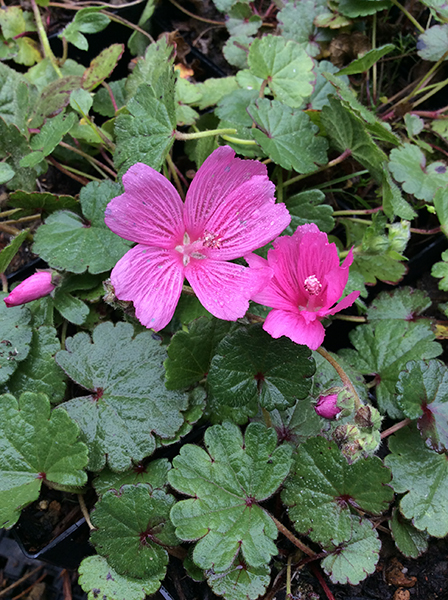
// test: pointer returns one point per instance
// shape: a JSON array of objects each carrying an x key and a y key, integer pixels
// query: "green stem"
[
  {"x": 22, "y": 219},
  {"x": 436, "y": 89},
  {"x": 350, "y": 318},
  {"x": 202, "y": 134},
  {"x": 172, "y": 168},
  {"x": 240, "y": 141},
  {"x": 8, "y": 213},
  {"x": 342, "y": 374},
  {"x": 4, "y": 283},
  {"x": 321, "y": 186},
  {"x": 332, "y": 163},
  {"x": 374, "y": 68},
  {"x": 48, "y": 52},
  {"x": 96, "y": 164},
  {"x": 279, "y": 187},
  {"x": 369, "y": 211},
  {"x": 409, "y": 16}
]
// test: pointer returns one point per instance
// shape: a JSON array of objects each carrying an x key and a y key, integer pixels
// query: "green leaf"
[
  {"x": 16, "y": 97},
  {"x": 408, "y": 166},
  {"x": 242, "y": 21},
  {"x": 154, "y": 69},
  {"x": 441, "y": 206},
  {"x": 99, "y": 580},
  {"x": 362, "y": 8},
  {"x": 102, "y": 66},
  {"x": 226, "y": 5},
  {"x": 356, "y": 558},
  {"x": 393, "y": 202},
  {"x": 128, "y": 402},
  {"x": 410, "y": 541},
  {"x": 147, "y": 133},
  {"x": 43, "y": 73},
  {"x": 414, "y": 124},
  {"x": 154, "y": 474},
  {"x": 433, "y": 43},
  {"x": 323, "y": 490},
  {"x": 422, "y": 475},
  {"x": 39, "y": 373},
  {"x": 15, "y": 337},
  {"x": 6, "y": 173},
  {"x": 212, "y": 90},
  {"x": 226, "y": 483},
  {"x": 138, "y": 43},
  {"x": 309, "y": 207},
  {"x": 9, "y": 251},
  {"x": 43, "y": 202},
  {"x": 133, "y": 525},
  {"x": 422, "y": 395},
  {"x": 67, "y": 242},
  {"x": 29, "y": 51},
  {"x": 323, "y": 86},
  {"x": 102, "y": 102},
  {"x": 288, "y": 136},
  {"x": 251, "y": 368},
  {"x": 296, "y": 22},
  {"x": 347, "y": 132},
  {"x": 14, "y": 21},
  {"x": 81, "y": 101},
  {"x": 87, "y": 20},
  {"x": 13, "y": 147},
  {"x": 233, "y": 107},
  {"x": 49, "y": 137},
  {"x": 383, "y": 349},
  {"x": 296, "y": 424},
  {"x": 71, "y": 308},
  {"x": 404, "y": 303},
  {"x": 240, "y": 582},
  {"x": 437, "y": 5},
  {"x": 35, "y": 446},
  {"x": 190, "y": 352},
  {"x": 186, "y": 93},
  {"x": 364, "y": 63},
  {"x": 440, "y": 270},
  {"x": 53, "y": 98},
  {"x": 287, "y": 67},
  {"x": 236, "y": 49}
]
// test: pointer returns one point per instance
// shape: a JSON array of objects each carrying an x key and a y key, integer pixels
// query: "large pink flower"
[
  {"x": 229, "y": 211},
  {"x": 307, "y": 282}
]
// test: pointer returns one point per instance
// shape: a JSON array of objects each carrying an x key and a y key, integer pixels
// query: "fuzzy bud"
[
  {"x": 37, "y": 286},
  {"x": 368, "y": 417}
]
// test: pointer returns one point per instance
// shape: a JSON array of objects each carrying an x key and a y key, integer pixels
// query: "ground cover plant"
[{"x": 171, "y": 368}]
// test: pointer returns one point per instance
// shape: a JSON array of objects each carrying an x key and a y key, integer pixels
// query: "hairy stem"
[
  {"x": 395, "y": 428},
  {"x": 342, "y": 374},
  {"x": 48, "y": 52},
  {"x": 202, "y": 134}
]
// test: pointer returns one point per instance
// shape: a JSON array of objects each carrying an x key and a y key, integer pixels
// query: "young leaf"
[
  {"x": 296, "y": 21},
  {"x": 99, "y": 580},
  {"x": 49, "y": 137},
  {"x": 102, "y": 66},
  {"x": 286, "y": 66},
  {"x": 42, "y": 202},
  {"x": 360, "y": 65},
  {"x": 240, "y": 582},
  {"x": 422, "y": 475},
  {"x": 250, "y": 368},
  {"x": 102, "y": 102},
  {"x": 242, "y": 21},
  {"x": 154, "y": 474},
  {"x": 236, "y": 49},
  {"x": 155, "y": 69},
  {"x": 35, "y": 446},
  {"x": 440, "y": 270},
  {"x": 190, "y": 352},
  {"x": 309, "y": 207},
  {"x": 383, "y": 349},
  {"x": 39, "y": 373},
  {"x": 212, "y": 90},
  {"x": 9, "y": 251},
  {"x": 410, "y": 541},
  {"x": 71, "y": 308},
  {"x": 13, "y": 147},
  {"x": 87, "y": 20},
  {"x": 393, "y": 202},
  {"x": 422, "y": 395},
  {"x": 324, "y": 86},
  {"x": 67, "y": 242},
  {"x": 288, "y": 136},
  {"x": 323, "y": 489},
  {"x": 128, "y": 402},
  {"x": 15, "y": 337},
  {"x": 355, "y": 558},
  {"x": 227, "y": 482},
  {"x": 132, "y": 526},
  {"x": 404, "y": 303}
]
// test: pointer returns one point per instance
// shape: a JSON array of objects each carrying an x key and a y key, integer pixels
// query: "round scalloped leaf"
[
  {"x": 128, "y": 402},
  {"x": 154, "y": 474},
  {"x": 70, "y": 243},
  {"x": 410, "y": 541},
  {"x": 432, "y": 44},
  {"x": 240, "y": 582},
  {"x": 296, "y": 21},
  {"x": 15, "y": 337},
  {"x": 285, "y": 65},
  {"x": 99, "y": 580},
  {"x": 40, "y": 373},
  {"x": 251, "y": 367},
  {"x": 226, "y": 483},
  {"x": 323, "y": 487},
  {"x": 422, "y": 475},
  {"x": 296, "y": 424},
  {"x": 287, "y": 136},
  {"x": 44, "y": 202},
  {"x": 361, "y": 8},
  {"x": 309, "y": 207},
  {"x": 35, "y": 445},
  {"x": 404, "y": 303},
  {"x": 423, "y": 395},
  {"x": 133, "y": 525},
  {"x": 356, "y": 558}
]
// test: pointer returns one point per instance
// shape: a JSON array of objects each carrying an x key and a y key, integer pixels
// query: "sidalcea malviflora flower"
[
  {"x": 306, "y": 284},
  {"x": 37, "y": 286},
  {"x": 229, "y": 211}
]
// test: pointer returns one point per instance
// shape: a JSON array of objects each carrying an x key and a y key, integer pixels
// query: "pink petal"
[
  {"x": 225, "y": 288},
  {"x": 344, "y": 303},
  {"x": 293, "y": 326},
  {"x": 337, "y": 280},
  {"x": 218, "y": 177},
  {"x": 152, "y": 278},
  {"x": 149, "y": 212}
]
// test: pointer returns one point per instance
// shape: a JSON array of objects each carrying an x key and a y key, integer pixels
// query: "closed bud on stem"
[
  {"x": 37, "y": 286},
  {"x": 368, "y": 417},
  {"x": 326, "y": 406}
]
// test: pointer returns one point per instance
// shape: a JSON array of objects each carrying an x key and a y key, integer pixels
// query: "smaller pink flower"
[
  {"x": 306, "y": 284},
  {"x": 37, "y": 286},
  {"x": 326, "y": 406}
]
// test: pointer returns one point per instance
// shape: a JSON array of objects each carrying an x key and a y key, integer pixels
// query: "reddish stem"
[
  {"x": 395, "y": 428},
  {"x": 322, "y": 582}
]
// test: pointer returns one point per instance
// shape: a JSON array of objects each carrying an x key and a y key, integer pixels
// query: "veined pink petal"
[
  {"x": 246, "y": 219},
  {"x": 337, "y": 280},
  {"x": 225, "y": 288},
  {"x": 152, "y": 278},
  {"x": 218, "y": 177},
  {"x": 149, "y": 212},
  {"x": 344, "y": 303},
  {"x": 293, "y": 326}
]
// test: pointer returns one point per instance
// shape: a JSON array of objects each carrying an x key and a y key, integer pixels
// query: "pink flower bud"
[
  {"x": 37, "y": 286},
  {"x": 326, "y": 406}
]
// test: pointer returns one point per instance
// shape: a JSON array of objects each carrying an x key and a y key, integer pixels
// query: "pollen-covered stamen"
[
  {"x": 312, "y": 285},
  {"x": 190, "y": 249},
  {"x": 211, "y": 240}
]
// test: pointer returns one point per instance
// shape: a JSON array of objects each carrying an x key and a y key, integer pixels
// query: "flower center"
[
  {"x": 195, "y": 249},
  {"x": 312, "y": 285}
]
